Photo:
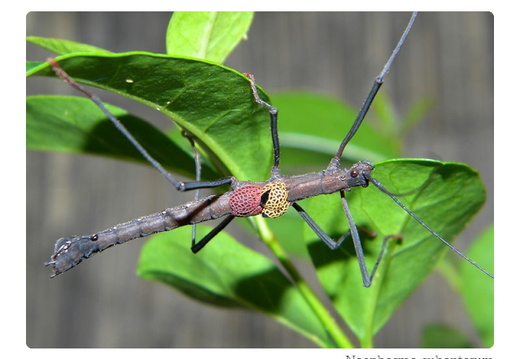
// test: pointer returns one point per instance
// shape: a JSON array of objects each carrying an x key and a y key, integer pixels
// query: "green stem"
[{"x": 316, "y": 305}]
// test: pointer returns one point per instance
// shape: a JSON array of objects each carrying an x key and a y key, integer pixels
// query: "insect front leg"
[{"x": 273, "y": 112}]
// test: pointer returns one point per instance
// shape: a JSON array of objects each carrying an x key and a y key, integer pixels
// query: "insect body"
[
  {"x": 271, "y": 198},
  {"x": 243, "y": 201}
]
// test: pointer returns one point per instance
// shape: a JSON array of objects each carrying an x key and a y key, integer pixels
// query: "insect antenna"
[{"x": 380, "y": 186}]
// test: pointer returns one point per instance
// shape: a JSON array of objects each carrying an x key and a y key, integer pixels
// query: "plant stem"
[{"x": 328, "y": 322}]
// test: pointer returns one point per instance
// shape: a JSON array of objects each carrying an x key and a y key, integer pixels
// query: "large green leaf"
[
  {"x": 77, "y": 125},
  {"x": 211, "y": 102},
  {"x": 206, "y": 35},
  {"x": 452, "y": 195},
  {"x": 228, "y": 274}
]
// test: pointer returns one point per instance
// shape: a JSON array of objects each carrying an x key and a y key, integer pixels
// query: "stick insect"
[{"x": 271, "y": 198}]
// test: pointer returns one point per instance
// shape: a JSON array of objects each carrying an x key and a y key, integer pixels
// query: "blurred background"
[{"x": 448, "y": 58}]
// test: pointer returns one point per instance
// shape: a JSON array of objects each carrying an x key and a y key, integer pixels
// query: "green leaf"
[
  {"x": 211, "y": 102},
  {"x": 478, "y": 293},
  {"x": 77, "y": 125},
  {"x": 447, "y": 196},
  {"x": 62, "y": 47},
  {"x": 206, "y": 35},
  {"x": 441, "y": 336},
  {"x": 313, "y": 124},
  {"x": 228, "y": 274}
]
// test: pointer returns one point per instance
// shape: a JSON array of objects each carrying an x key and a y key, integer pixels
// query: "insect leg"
[
  {"x": 195, "y": 247},
  {"x": 198, "y": 171},
  {"x": 438, "y": 236},
  {"x": 273, "y": 112},
  {"x": 200, "y": 244},
  {"x": 188, "y": 186},
  {"x": 372, "y": 94},
  {"x": 367, "y": 280},
  {"x": 181, "y": 186},
  {"x": 332, "y": 244}
]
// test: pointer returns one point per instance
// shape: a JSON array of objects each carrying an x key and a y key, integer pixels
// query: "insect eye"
[{"x": 354, "y": 173}]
